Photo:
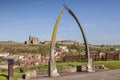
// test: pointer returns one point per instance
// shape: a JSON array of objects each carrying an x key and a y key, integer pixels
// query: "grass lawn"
[
  {"x": 4, "y": 76},
  {"x": 110, "y": 64}
]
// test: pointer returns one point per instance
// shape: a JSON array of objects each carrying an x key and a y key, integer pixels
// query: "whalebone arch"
[{"x": 52, "y": 66}]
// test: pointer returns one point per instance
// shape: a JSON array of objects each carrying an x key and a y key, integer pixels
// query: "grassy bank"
[
  {"x": 17, "y": 74},
  {"x": 110, "y": 64}
]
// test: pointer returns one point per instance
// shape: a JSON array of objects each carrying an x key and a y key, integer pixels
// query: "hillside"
[{"x": 17, "y": 48}]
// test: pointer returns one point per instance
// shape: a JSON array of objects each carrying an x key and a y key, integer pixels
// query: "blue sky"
[{"x": 21, "y": 18}]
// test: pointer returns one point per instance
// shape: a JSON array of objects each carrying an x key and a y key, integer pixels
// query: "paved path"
[{"x": 101, "y": 75}]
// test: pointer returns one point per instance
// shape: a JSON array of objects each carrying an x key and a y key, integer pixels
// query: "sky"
[{"x": 99, "y": 18}]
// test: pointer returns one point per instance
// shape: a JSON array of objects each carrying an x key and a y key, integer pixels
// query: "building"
[
  {"x": 4, "y": 54},
  {"x": 32, "y": 40},
  {"x": 68, "y": 42},
  {"x": 49, "y": 42}
]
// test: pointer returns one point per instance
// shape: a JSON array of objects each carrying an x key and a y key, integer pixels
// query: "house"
[
  {"x": 11, "y": 56},
  {"x": 65, "y": 49},
  {"x": 4, "y": 54}
]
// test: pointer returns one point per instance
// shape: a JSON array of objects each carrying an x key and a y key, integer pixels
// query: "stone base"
[
  {"x": 89, "y": 66},
  {"x": 54, "y": 73}
]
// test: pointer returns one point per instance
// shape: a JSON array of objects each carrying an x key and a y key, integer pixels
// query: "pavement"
[{"x": 100, "y": 75}]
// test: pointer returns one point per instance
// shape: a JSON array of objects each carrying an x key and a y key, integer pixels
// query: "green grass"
[
  {"x": 110, "y": 64},
  {"x": 71, "y": 63},
  {"x": 3, "y": 76},
  {"x": 35, "y": 67},
  {"x": 17, "y": 75}
]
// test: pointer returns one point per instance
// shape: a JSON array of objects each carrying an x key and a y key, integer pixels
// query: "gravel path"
[{"x": 101, "y": 75}]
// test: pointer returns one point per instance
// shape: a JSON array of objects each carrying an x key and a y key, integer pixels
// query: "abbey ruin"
[{"x": 32, "y": 40}]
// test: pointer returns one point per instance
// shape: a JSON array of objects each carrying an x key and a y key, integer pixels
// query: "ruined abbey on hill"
[
  {"x": 35, "y": 41},
  {"x": 32, "y": 40}
]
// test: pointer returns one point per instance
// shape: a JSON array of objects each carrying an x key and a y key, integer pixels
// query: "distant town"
[
  {"x": 27, "y": 55},
  {"x": 33, "y": 53},
  {"x": 28, "y": 59}
]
